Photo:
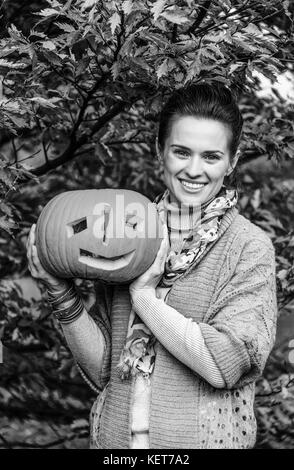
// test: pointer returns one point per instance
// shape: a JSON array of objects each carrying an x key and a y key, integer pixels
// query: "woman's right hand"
[{"x": 36, "y": 269}]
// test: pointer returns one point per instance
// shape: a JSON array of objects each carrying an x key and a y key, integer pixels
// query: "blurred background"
[{"x": 81, "y": 86}]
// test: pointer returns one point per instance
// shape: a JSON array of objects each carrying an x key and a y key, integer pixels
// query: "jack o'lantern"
[{"x": 108, "y": 234}]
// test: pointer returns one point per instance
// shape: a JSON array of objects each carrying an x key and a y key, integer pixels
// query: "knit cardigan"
[{"x": 231, "y": 294}]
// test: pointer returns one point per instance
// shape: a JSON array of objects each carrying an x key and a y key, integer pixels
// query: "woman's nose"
[{"x": 194, "y": 167}]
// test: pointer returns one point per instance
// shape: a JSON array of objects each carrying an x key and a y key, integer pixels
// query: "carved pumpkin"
[{"x": 107, "y": 234}]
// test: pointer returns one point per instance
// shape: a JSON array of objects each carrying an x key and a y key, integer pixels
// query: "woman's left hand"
[{"x": 149, "y": 280}]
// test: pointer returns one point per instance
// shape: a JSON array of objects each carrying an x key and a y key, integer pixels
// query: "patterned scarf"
[{"x": 191, "y": 229}]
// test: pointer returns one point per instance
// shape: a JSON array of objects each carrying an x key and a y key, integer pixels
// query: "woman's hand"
[
  {"x": 149, "y": 280},
  {"x": 36, "y": 269}
]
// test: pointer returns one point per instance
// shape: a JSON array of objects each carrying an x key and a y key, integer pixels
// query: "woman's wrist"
[
  {"x": 142, "y": 291},
  {"x": 67, "y": 306},
  {"x": 59, "y": 285}
]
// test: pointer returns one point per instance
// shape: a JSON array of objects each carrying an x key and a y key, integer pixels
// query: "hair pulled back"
[{"x": 203, "y": 100}]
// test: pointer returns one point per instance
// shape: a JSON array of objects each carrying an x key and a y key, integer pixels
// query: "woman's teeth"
[{"x": 192, "y": 185}]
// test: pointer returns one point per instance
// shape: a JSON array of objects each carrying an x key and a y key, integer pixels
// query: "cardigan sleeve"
[
  {"x": 241, "y": 326},
  {"x": 99, "y": 325},
  {"x": 181, "y": 336},
  {"x": 87, "y": 345}
]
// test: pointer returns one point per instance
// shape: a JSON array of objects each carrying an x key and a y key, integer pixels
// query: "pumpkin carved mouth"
[{"x": 100, "y": 262}]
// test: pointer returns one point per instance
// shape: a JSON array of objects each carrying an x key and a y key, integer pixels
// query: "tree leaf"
[
  {"x": 256, "y": 199},
  {"x": 16, "y": 34},
  {"x": 79, "y": 423},
  {"x": 140, "y": 62},
  {"x": 88, "y": 4},
  {"x": 50, "y": 45},
  {"x": 6, "y": 209},
  {"x": 67, "y": 28},
  {"x": 215, "y": 49},
  {"x": 286, "y": 5},
  {"x": 158, "y": 8},
  {"x": 52, "y": 57},
  {"x": 207, "y": 53},
  {"x": 7, "y": 224},
  {"x": 115, "y": 68},
  {"x": 114, "y": 21},
  {"x": 175, "y": 18},
  {"x": 47, "y": 12},
  {"x": 158, "y": 39},
  {"x": 227, "y": 5},
  {"x": 6, "y": 177},
  {"x": 103, "y": 152},
  {"x": 179, "y": 77},
  {"x": 194, "y": 69},
  {"x": 127, "y": 46},
  {"x": 12, "y": 65},
  {"x": 46, "y": 102},
  {"x": 18, "y": 121},
  {"x": 252, "y": 29},
  {"x": 234, "y": 67},
  {"x": 162, "y": 69},
  {"x": 127, "y": 6}
]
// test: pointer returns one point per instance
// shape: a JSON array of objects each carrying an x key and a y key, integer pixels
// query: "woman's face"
[{"x": 196, "y": 159}]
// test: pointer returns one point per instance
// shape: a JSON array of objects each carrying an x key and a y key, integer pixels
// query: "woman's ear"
[{"x": 233, "y": 163}]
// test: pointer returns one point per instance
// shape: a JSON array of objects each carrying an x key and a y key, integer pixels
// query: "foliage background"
[{"x": 81, "y": 86}]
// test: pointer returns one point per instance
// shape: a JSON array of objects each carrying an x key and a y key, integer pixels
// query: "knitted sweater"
[{"x": 230, "y": 293}]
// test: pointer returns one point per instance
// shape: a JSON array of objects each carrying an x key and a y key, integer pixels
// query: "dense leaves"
[
  {"x": 83, "y": 63},
  {"x": 81, "y": 86}
]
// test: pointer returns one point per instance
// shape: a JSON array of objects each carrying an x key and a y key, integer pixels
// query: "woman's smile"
[{"x": 191, "y": 187}]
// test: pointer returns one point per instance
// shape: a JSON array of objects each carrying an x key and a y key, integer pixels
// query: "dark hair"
[{"x": 210, "y": 101}]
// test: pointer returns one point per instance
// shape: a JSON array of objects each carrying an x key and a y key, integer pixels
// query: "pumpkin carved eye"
[
  {"x": 76, "y": 227},
  {"x": 134, "y": 221}
]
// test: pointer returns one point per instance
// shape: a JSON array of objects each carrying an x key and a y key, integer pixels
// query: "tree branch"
[
  {"x": 110, "y": 114},
  {"x": 85, "y": 104},
  {"x": 174, "y": 33},
  {"x": 14, "y": 151},
  {"x": 202, "y": 13},
  {"x": 213, "y": 25},
  {"x": 74, "y": 145}
]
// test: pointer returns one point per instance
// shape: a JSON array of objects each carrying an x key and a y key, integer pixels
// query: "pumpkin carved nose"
[
  {"x": 106, "y": 237},
  {"x": 102, "y": 228}
]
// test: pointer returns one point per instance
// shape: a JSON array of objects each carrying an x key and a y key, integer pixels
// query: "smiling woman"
[
  {"x": 198, "y": 138},
  {"x": 196, "y": 159},
  {"x": 175, "y": 355}
]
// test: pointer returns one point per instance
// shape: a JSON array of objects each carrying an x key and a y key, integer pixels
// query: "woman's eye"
[
  {"x": 211, "y": 157},
  {"x": 182, "y": 153}
]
